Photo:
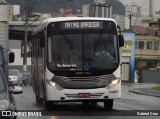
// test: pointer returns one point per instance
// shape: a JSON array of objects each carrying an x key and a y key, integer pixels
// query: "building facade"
[
  {"x": 12, "y": 11},
  {"x": 147, "y": 53},
  {"x": 98, "y": 9},
  {"x": 140, "y": 15},
  {"x": 16, "y": 43},
  {"x": 132, "y": 15},
  {"x": 128, "y": 57},
  {"x": 85, "y": 10},
  {"x": 148, "y": 8},
  {"x": 120, "y": 19}
]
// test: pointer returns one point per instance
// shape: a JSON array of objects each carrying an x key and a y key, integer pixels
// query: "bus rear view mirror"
[
  {"x": 121, "y": 40},
  {"x": 11, "y": 57}
]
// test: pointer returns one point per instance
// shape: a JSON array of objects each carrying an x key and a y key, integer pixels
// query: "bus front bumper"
[{"x": 83, "y": 94}]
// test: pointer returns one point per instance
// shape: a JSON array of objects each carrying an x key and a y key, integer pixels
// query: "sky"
[{"x": 140, "y": 2}]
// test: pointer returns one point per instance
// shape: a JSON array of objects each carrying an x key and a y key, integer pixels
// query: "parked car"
[
  {"x": 7, "y": 101},
  {"x": 26, "y": 77},
  {"x": 15, "y": 76}
]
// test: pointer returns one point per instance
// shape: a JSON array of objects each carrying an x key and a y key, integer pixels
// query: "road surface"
[{"x": 128, "y": 106}]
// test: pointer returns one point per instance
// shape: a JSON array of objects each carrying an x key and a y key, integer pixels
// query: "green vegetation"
[
  {"x": 149, "y": 64},
  {"x": 158, "y": 20},
  {"x": 156, "y": 88}
]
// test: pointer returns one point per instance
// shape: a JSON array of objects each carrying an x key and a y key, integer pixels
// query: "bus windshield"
[{"x": 83, "y": 51}]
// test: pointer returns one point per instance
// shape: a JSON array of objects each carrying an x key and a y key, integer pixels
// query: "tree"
[
  {"x": 149, "y": 64},
  {"x": 158, "y": 21}
]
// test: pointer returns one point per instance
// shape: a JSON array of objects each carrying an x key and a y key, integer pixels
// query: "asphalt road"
[{"x": 127, "y": 107}]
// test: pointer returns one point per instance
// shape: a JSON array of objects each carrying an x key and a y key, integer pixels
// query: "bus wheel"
[
  {"x": 39, "y": 100},
  {"x": 108, "y": 104},
  {"x": 48, "y": 104}
]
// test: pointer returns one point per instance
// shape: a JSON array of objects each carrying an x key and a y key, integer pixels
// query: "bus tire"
[
  {"x": 108, "y": 104},
  {"x": 39, "y": 100},
  {"x": 48, "y": 105}
]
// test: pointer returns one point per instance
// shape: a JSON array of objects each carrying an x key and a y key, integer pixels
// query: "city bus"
[{"x": 76, "y": 59}]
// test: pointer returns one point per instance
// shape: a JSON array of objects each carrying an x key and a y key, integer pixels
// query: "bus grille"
[{"x": 91, "y": 79}]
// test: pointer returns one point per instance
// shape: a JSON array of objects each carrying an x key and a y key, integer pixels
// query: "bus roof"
[
  {"x": 75, "y": 18},
  {"x": 44, "y": 23}
]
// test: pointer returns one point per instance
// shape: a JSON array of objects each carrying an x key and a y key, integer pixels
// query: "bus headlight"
[
  {"x": 113, "y": 83},
  {"x": 55, "y": 85}
]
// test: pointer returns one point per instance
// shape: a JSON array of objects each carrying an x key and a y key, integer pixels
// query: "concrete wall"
[{"x": 148, "y": 76}]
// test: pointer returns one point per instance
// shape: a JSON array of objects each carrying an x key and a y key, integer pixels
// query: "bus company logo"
[
  {"x": 13, "y": 113},
  {"x": 6, "y": 113}
]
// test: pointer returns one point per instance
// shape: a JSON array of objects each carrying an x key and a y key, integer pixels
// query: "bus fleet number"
[{"x": 114, "y": 91}]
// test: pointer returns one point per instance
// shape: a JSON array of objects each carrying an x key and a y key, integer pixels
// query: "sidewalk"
[{"x": 146, "y": 91}]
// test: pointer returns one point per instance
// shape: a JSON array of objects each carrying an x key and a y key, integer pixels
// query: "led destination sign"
[
  {"x": 77, "y": 26},
  {"x": 81, "y": 25}
]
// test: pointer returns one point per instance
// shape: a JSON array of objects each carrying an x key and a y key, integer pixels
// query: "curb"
[{"x": 144, "y": 93}]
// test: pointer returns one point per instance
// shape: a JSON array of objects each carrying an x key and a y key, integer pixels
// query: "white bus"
[{"x": 76, "y": 59}]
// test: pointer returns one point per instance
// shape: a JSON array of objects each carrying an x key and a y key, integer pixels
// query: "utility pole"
[
  {"x": 26, "y": 38},
  {"x": 130, "y": 18},
  {"x": 94, "y": 11},
  {"x": 130, "y": 21}
]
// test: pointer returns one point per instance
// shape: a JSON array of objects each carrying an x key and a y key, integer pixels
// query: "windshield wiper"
[
  {"x": 70, "y": 44},
  {"x": 68, "y": 41},
  {"x": 98, "y": 41}
]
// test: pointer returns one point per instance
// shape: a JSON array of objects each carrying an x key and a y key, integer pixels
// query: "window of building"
[
  {"x": 156, "y": 45},
  {"x": 141, "y": 45},
  {"x": 149, "y": 45},
  {"x": 136, "y": 44}
]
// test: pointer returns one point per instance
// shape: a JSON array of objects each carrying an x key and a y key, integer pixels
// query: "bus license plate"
[{"x": 84, "y": 94}]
